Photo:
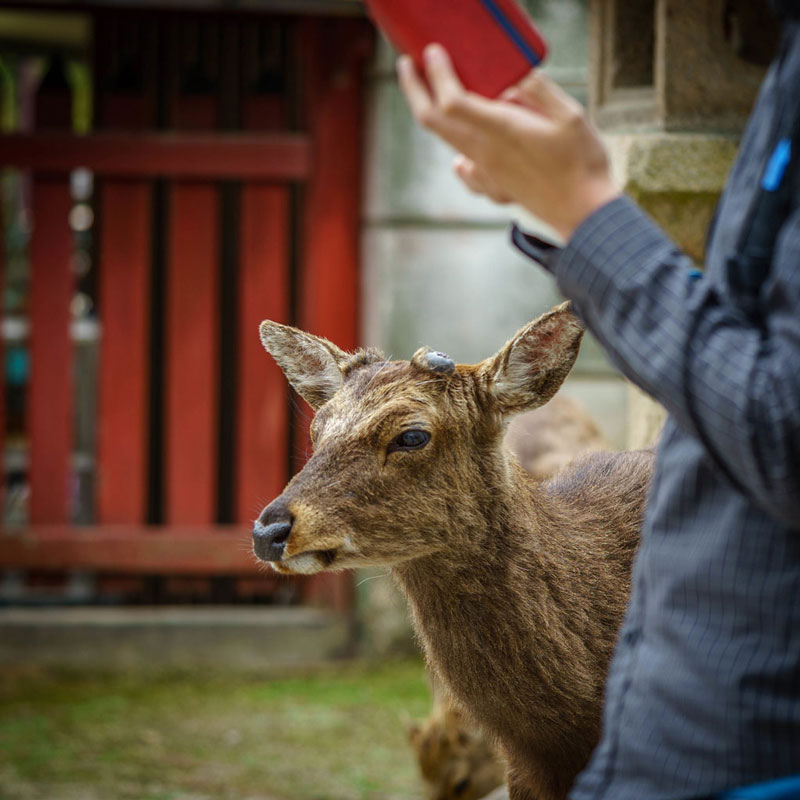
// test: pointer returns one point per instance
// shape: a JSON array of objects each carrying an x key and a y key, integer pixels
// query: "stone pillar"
[
  {"x": 671, "y": 85},
  {"x": 688, "y": 65}
]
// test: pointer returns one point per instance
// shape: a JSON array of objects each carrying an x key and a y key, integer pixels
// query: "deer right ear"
[
  {"x": 531, "y": 367},
  {"x": 311, "y": 364}
]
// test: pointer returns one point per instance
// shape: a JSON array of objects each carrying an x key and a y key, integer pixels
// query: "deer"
[
  {"x": 456, "y": 760},
  {"x": 516, "y": 587},
  {"x": 546, "y": 439}
]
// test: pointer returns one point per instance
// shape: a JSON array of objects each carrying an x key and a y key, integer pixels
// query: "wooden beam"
[
  {"x": 334, "y": 57},
  {"x": 272, "y": 156},
  {"x": 124, "y": 279},
  {"x": 262, "y": 419},
  {"x": 131, "y": 549},
  {"x": 328, "y": 8},
  {"x": 49, "y": 411},
  {"x": 50, "y": 393},
  {"x": 192, "y": 328},
  {"x": 123, "y": 381}
]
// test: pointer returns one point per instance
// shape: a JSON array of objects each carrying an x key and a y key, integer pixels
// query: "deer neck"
[
  {"x": 502, "y": 523},
  {"x": 494, "y": 617},
  {"x": 497, "y": 577}
]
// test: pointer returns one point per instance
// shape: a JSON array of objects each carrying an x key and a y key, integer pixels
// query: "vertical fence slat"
[
  {"x": 3, "y": 483},
  {"x": 124, "y": 99},
  {"x": 329, "y": 282},
  {"x": 192, "y": 330},
  {"x": 329, "y": 285},
  {"x": 50, "y": 400},
  {"x": 262, "y": 414},
  {"x": 192, "y": 354},
  {"x": 262, "y": 419},
  {"x": 124, "y": 55},
  {"x": 124, "y": 300}
]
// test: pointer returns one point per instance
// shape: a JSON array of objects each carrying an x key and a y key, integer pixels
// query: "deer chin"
[{"x": 308, "y": 563}]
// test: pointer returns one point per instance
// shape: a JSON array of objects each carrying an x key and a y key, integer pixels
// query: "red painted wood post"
[
  {"x": 329, "y": 279},
  {"x": 123, "y": 299},
  {"x": 3, "y": 482},
  {"x": 192, "y": 330},
  {"x": 50, "y": 400},
  {"x": 262, "y": 413}
]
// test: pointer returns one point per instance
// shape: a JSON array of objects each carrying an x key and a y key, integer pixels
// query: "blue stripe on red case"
[{"x": 503, "y": 21}]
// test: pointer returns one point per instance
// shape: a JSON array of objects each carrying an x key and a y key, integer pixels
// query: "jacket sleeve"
[{"x": 731, "y": 382}]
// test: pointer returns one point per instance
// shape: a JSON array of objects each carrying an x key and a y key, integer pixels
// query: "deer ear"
[
  {"x": 531, "y": 367},
  {"x": 311, "y": 364}
]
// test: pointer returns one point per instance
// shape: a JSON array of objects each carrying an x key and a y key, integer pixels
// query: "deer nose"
[{"x": 271, "y": 531}]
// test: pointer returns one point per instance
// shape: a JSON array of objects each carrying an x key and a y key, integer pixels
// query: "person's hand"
[{"x": 533, "y": 146}]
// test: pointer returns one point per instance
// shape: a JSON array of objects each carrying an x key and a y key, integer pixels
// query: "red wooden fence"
[{"x": 128, "y": 154}]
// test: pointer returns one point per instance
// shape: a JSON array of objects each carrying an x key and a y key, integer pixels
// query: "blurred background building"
[{"x": 178, "y": 171}]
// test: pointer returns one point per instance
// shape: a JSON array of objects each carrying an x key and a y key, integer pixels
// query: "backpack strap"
[{"x": 748, "y": 268}]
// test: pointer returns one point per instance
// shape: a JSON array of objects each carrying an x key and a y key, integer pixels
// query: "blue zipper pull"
[{"x": 776, "y": 166}]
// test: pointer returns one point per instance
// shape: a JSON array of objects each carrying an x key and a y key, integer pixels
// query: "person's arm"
[{"x": 731, "y": 382}]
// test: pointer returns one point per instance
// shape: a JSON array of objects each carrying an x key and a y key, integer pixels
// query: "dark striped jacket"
[{"x": 704, "y": 689}]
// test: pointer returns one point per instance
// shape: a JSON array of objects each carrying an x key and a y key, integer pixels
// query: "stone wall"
[{"x": 672, "y": 83}]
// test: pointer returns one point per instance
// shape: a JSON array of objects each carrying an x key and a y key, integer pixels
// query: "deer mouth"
[{"x": 307, "y": 563}]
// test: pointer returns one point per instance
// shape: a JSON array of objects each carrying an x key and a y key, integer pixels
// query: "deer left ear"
[
  {"x": 312, "y": 365},
  {"x": 531, "y": 367}
]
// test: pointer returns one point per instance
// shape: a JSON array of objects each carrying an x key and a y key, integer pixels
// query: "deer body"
[
  {"x": 517, "y": 588},
  {"x": 521, "y": 627}
]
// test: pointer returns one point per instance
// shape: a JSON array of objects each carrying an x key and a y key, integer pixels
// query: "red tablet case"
[{"x": 493, "y": 43}]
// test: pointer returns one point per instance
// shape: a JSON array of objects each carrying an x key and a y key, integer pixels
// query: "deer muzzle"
[
  {"x": 269, "y": 541},
  {"x": 290, "y": 546}
]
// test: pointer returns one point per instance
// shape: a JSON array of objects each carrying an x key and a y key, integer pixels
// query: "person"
[{"x": 703, "y": 693}]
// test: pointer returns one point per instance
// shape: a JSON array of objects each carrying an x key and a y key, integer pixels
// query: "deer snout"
[{"x": 271, "y": 531}]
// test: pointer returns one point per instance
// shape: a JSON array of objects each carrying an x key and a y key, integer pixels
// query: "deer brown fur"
[
  {"x": 516, "y": 587},
  {"x": 548, "y": 438},
  {"x": 456, "y": 760}
]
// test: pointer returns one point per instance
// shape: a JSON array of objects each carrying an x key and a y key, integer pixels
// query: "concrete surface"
[{"x": 233, "y": 638}]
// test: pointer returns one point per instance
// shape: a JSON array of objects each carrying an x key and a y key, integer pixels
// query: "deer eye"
[{"x": 409, "y": 440}]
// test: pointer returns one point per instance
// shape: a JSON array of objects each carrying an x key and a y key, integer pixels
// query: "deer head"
[{"x": 406, "y": 453}]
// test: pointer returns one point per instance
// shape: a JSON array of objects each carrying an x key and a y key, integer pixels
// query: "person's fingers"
[
  {"x": 472, "y": 124},
  {"x": 476, "y": 181},
  {"x": 541, "y": 94},
  {"x": 445, "y": 84},
  {"x": 424, "y": 106},
  {"x": 452, "y": 99},
  {"x": 413, "y": 87}
]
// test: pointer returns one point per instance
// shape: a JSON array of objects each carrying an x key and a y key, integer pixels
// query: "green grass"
[{"x": 339, "y": 735}]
